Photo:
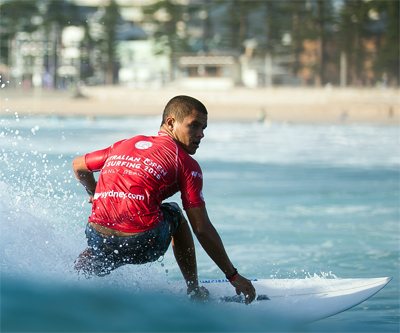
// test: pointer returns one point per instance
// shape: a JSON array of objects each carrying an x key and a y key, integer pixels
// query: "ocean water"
[{"x": 289, "y": 201}]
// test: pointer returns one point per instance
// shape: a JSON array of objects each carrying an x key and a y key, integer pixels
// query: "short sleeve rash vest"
[{"x": 136, "y": 175}]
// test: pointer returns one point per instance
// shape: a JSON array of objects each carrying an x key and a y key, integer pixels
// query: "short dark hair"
[{"x": 182, "y": 106}]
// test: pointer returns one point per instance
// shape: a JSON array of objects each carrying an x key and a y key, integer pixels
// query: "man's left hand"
[{"x": 242, "y": 285}]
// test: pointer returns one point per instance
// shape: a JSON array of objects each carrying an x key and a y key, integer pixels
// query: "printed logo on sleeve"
[
  {"x": 143, "y": 144},
  {"x": 197, "y": 174}
]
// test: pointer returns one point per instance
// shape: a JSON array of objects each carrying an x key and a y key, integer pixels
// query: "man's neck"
[{"x": 165, "y": 129}]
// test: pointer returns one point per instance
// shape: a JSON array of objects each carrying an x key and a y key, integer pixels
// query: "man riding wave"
[{"x": 130, "y": 224}]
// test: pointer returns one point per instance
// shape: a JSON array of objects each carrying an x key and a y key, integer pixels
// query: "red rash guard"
[{"x": 136, "y": 176}]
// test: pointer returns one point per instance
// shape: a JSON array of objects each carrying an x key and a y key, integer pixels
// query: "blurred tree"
[
  {"x": 312, "y": 21},
  {"x": 110, "y": 18},
  {"x": 57, "y": 15},
  {"x": 271, "y": 34},
  {"x": 319, "y": 25},
  {"x": 15, "y": 16},
  {"x": 88, "y": 43},
  {"x": 170, "y": 18},
  {"x": 323, "y": 22},
  {"x": 295, "y": 20},
  {"x": 236, "y": 24},
  {"x": 353, "y": 18},
  {"x": 274, "y": 29},
  {"x": 32, "y": 15},
  {"x": 388, "y": 56},
  {"x": 205, "y": 12},
  {"x": 297, "y": 32},
  {"x": 168, "y": 15},
  {"x": 61, "y": 12},
  {"x": 236, "y": 21}
]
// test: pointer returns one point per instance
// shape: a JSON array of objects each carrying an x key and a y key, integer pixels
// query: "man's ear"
[{"x": 170, "y": 122}]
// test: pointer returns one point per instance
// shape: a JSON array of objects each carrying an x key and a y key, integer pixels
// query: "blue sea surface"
[{"x": 289, "y": 201}]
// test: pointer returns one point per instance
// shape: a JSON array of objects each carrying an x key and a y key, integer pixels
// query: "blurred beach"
[{"x": 327, "y": 105}]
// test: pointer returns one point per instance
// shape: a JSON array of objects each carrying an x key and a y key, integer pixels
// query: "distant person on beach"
[{"x": 129, "y": 223}]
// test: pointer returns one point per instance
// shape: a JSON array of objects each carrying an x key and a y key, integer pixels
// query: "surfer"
[{"x": 129, "y": 224}]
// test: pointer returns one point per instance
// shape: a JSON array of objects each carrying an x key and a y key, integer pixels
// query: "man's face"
[{"x": 190, "y": 131}]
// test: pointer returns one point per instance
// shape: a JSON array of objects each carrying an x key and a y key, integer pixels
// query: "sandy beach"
[{"x": 283, "y": 104}]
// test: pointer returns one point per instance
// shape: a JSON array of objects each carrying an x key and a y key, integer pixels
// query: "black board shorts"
[{"x": 111, "y": 252}]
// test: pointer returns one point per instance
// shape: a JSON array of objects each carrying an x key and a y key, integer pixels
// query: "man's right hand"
[
  {"x": 211, "y": 242},
  {"x": 198, "y": 294},
  {"x": 244, "y": 286}
]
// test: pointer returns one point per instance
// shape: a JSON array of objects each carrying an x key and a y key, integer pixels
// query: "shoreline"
[{"x": 282, "y": 105}]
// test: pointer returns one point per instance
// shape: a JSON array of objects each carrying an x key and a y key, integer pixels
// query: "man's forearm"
[
  {"x": 82, "y": 174},
  {"x": 212, "y": 244},
  {"x": 209, "y": 238},
  {"x": 86, "y": 178}
]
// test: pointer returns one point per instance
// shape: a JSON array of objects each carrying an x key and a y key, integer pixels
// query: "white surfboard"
[{"x": 298, "y": 300}]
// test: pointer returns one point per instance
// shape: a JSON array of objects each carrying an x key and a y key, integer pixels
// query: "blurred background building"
[{"x": 199, "y": 44}]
